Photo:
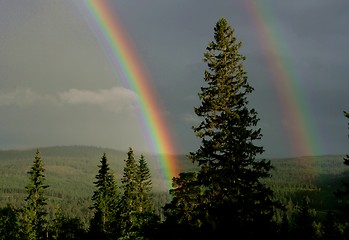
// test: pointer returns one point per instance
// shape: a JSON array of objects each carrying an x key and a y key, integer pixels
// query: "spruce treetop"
[
  {"x": 232, "y": 193},
  {"x": 36, "y": 186},
  {"x": 35, "y": 213},
  {"x": 228, "y": 126}
]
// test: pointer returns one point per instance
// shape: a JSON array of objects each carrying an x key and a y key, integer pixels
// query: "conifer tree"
[
  {"x": 9, "y": 227},
  {"x": 284, "y": 232},
  {"x": 106, "y": 200},
  {"x": 146, "y": 217},
  {"x": 130, "y": 199},
  {"x": 65, "y": 228},
  {"x": 182, "y": 213},
  {"x": 234, "y": 199},
  {"x": 331, "y": 228},
  {"x": 304, "y": 228},
  {"x": 35, "y": 213},
  {"x": 144, "y": 185},
  {"x": 138, "y": 218}
]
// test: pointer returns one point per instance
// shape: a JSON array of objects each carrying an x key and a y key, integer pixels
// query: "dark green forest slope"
[
  {"x": 71, "y": 171},
  {"x": 316, "y": 177}
]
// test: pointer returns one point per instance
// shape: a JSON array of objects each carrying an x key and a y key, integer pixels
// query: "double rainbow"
[{"x": 119, "y": 47}]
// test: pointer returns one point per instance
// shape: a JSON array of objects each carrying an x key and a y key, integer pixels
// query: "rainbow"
[
  {"x": 297, "y": 120},
  {"x": 129, "y": 68}
]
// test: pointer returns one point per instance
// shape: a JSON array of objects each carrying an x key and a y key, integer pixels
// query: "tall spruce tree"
[
  {"x": 106, "y": 201},
  {"x": 146, "y": 217},
  {"x": 144, "y": 185},
  {"x": 234, "y": 199},
  {"x": 130, "y": 199},
  {"x": 35, "y": 213}
]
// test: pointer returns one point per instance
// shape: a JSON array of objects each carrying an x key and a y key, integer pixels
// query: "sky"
[{"x": 58, "y": 86}]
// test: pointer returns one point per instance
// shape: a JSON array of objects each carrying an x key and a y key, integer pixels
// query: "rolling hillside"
[
  {"x": 70, "y": 173},
  {"x": 317, "y": 177},
  {"x": 71, "y": 170}
]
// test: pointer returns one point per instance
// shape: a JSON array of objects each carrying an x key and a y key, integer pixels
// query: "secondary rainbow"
[
  {"x": 130, "y": 69},
  {"x": 301, "y": 134}
]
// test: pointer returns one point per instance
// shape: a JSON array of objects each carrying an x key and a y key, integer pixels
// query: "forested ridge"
[
  {"x": 71, "y": 170},
  {"x": 225, "y": 189}
]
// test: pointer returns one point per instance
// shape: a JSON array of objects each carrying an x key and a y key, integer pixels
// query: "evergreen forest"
[{"x": 224, "y": 190}]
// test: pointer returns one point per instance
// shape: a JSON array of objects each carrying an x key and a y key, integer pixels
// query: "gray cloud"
[
  {"x": 115, "y": 99},
  {"x": 19, "y": 97},
  {"x": 52, "y": 65}
]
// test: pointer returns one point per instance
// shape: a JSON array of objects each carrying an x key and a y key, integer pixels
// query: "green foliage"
[
  {"x": 293, "y": 178},
  {"x": 233, "y": 197},
  {"x": 35, "y": 213},
  {"x": 146, "y": 217},
  {"x": 130, "y": 198},
  {"x": 106, "y": 201},
  {"x": 65, "y": 228},
  {"x": 331, "y": 227},
  {"x": 145, "y": 186},
  {"x": 137, "y": 215},
  {"x": 343, "y": 192},
  {"x": 70, "y": 172},
  {"x": 304, "y": 222},
  {"x": 181, "y": 213},
  {"x": 9, "y": 225}
]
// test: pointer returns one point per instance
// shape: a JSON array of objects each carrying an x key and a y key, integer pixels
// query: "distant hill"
[
  {"x": 71, "y": 170},
  {"x": 316, "y": 177},
  {"x": 70, "y": 173},
  {"x": 73, "y": 166}
]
